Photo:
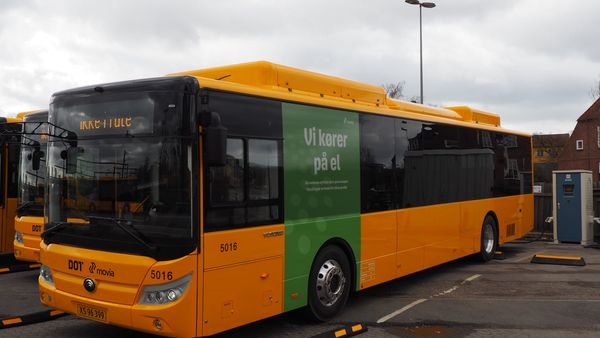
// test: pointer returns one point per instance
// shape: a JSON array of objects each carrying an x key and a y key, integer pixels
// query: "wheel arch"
[{"x": 492, "y": 214}]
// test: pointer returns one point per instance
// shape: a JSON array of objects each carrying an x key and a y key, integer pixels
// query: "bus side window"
[
  {"x": 13, "y": 170},
  {"x": 227, "y": 182},
  {"x": 263, "y": 180},
  {"x": 378, "y": 162},
  {"x": 246, "y": 191}
]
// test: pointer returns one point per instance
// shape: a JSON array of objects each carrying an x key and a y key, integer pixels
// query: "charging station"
[{"x": 573, "y": 212}]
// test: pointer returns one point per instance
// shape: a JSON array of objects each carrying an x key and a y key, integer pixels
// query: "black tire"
[
  {"x": 329, "y": 284},
  {"x": 489, "y": 239}
]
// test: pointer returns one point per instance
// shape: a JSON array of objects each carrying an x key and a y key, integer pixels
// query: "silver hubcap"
[
  {"x": 488, "y": 238},
  {"x": 330, "y": 283}
]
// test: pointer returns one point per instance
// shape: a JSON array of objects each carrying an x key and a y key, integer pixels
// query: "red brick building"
[
  {"x": 546, "y": 152},
  {"x": 583, "y": 149}
]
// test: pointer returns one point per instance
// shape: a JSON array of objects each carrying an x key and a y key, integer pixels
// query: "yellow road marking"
[
  {"x": 356, "y": 327},
  {"x": 572, "y": 258},
  {"x": 340, "y": 333},
  {"x": 12, "y": 321}
]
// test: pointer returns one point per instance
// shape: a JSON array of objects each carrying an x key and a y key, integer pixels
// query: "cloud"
[{"x": 532, "y": 61}]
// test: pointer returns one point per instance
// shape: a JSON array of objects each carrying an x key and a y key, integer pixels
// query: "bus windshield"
[
  {"x": 125, "y": 185},
  {"x": 30, "y": 198}
]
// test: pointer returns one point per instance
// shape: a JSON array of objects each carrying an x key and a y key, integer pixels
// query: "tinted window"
[
  {"x": 247, "y": 116},
  {"x": 378, "y": 162},
  {"x": 136, "y": 178},
  {"x": 512, "y": 174},
  {"x": 263, "y": 165},
  {"x": 227, "y": 182},
  {"x": 430, "y": 163},
  {"x": 12, "y": 187},
  {"x": 31, "y": 185},
  {"x": 247, "y": 190}
]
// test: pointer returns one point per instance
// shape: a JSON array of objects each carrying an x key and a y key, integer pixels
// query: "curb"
[
  {"x": 347, "y": 331},
  {"x": 30, "y": 318},
  {"x": 19, "y": 267},
  {"x": 558, "y": 260}
]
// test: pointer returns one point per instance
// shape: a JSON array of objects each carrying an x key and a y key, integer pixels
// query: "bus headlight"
[
  {"x": 18, "y": 237},
  {"x": 165, "y": 293},
  {"x": 46, "y": 274}
]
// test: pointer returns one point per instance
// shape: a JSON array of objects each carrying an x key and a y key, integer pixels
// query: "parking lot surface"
[{"x": 501, "y": 298}]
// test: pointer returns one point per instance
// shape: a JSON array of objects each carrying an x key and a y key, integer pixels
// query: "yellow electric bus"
[
  {"x": 265, "y": 189},
  {"x": 29, "y": 220},
  {"x": 10, "y": 129}
]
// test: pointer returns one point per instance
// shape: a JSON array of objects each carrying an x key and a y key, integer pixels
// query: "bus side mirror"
[
  {"x": 215, "y": 142},
  {"x": 36, "y": 158}
]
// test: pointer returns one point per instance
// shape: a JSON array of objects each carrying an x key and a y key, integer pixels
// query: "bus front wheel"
[
  {"x": 329, "y": 283},
  {"x": 489, "y": 239}
]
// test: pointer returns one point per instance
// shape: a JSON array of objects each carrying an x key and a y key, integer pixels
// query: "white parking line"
[
  {"x": 397, "y": 312},
  {"x": 513, "y": 300},
  {"x": 470, "y": 279},
  {"x": 452, "y": 289},
  {"x": 419, "y": 301},
  {"x": 455, "y": 287}
]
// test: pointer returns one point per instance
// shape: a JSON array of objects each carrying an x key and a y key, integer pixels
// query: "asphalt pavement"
[{"x": 501, "y": 298}]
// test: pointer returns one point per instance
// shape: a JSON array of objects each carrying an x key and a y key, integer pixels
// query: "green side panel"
[{"x": 321, "y": 159}]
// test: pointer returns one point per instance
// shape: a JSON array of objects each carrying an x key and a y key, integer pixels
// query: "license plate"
[{"x": 91, "y": 312}]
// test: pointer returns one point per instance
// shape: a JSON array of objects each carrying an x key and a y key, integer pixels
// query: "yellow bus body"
[
  {"x": 30, "y": 227},
  {"x": 229, "y": 290},
  {"x": 9, "y": 205}
]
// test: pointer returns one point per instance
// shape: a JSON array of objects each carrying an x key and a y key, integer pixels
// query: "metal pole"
[{"x": 421, "y": 46}]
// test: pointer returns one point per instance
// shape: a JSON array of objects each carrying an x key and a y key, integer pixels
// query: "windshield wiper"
[
  {"x": 121, "y": 223},
  {"x": 55, "y": 226},
  {"x": 24, "y": 206},
  {"x": 27, "y": 206}
]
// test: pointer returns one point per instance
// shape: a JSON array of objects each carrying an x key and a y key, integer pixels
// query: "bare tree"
[
  {"x": 394, "y": 90},
  {"x": 415, "y": 99},
  {"x": 595, "y": 91}
]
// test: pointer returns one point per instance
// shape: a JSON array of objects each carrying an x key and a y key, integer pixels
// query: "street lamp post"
[{"x": 421, "y": 5}]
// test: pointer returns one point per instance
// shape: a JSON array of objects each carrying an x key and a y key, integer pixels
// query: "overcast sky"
[{"x": 534, "y": 62}]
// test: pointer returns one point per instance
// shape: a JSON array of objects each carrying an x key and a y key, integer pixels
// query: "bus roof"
[
  {"x": 264, "y": 78},
  {"x": 10, "y": 119},
  {"x": 22, "y": 115},
  {"x": 34, "y": 114}
]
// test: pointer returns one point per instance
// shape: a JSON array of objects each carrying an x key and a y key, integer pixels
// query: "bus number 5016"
[
  {"x": 155, "y": 274},
  {"x": 226, "y": 247}
]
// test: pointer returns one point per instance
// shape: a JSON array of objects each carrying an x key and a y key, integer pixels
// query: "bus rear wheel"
[
  {"x": 329, "y": 283},
  {"x": 489, "y": 239}
]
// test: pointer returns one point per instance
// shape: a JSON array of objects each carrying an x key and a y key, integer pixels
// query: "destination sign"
[
  {"x": 110, "y": 123},
  {"x": 122, "y": 117}
]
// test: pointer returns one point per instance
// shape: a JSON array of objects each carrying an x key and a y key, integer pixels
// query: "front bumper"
[
  {"x": 137, "y": 317},
  {"x": 31, "y": 228},
  {"x": 28, "y": 251}
]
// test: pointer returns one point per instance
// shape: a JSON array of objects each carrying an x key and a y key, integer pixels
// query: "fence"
[{"x": 542, "y": 210}]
